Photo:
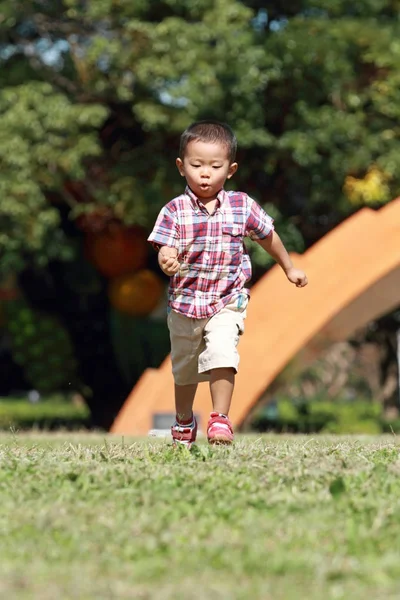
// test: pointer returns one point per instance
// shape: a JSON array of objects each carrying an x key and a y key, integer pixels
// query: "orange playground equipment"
[{"x": 354, "y": 277}]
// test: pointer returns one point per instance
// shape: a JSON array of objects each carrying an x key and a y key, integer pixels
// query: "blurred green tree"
[
  {"x": 94, "y": 95},
  {"x": 311, "y": 89}
]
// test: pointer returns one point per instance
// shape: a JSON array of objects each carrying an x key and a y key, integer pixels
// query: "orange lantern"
[
  {"x": 95, "y": 221},
  {"x": 136, "y": 294},
  {"x": 117, "y": 250}
]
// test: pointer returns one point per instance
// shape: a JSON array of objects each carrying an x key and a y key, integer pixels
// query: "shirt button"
[{"x": 206, "y": 256}]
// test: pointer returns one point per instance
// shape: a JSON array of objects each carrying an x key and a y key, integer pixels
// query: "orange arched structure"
[{"x": 354, "y": 275}]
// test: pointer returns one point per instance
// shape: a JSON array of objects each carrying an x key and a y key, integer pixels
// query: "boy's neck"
[{"x": 206, "y": 201}]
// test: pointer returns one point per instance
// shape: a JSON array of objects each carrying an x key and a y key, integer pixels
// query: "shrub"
[
  {"x": 50, "y": 413},
  {"x": 324, "y": 416}
]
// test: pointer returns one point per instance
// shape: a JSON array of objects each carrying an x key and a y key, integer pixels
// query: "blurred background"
[{"x": 93, "y": 98}]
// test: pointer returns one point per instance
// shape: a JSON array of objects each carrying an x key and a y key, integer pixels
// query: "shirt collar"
[{"x": 197, "y": 204}]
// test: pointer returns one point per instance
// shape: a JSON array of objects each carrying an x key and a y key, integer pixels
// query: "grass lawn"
[{"x": 271, "y": 518}]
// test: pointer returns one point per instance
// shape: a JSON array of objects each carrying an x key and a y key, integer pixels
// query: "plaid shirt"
[{"x": 214, "y": 264}]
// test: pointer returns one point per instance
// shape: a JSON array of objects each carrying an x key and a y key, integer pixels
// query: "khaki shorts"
[{"x": 200, "y": 345}]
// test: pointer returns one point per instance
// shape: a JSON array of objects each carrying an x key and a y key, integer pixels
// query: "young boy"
[{"x": 199, "y": 238}]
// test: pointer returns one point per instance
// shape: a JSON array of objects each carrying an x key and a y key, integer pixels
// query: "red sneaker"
[
  {"x": 184, "y": 435},
  {"x": 219, "y": 429}
]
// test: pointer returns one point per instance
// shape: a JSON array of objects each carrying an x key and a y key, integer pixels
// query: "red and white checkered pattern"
[{"x": 214, "y": 265}]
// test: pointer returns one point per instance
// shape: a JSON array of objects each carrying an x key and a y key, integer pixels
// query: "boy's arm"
[
  {"x": 165, "y": 239},
  {"x": 275, "y": 248},
  {"x": 260, "y": 228},
  {"x": 167, "y": 260}
]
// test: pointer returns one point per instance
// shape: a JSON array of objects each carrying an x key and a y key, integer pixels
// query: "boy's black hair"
[{"x": 209, "y": 131}]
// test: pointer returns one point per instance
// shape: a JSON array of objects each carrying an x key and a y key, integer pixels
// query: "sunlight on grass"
[{"x": 99, "y": 516}]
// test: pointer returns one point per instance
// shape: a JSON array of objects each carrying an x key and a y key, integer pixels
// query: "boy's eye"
[
  {"x": 195, "y": 166},
  {"x": 216, "y": 166}
]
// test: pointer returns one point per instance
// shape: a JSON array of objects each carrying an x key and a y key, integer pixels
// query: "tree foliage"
[
  {"x": 94, "y": 95},
  {"x": 46, "y": 139},
  {"x": 99, "y": 92}
]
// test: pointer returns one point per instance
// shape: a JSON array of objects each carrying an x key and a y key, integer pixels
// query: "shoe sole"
[
  {"x": 220, "y": 440},
  {"x": 177, "y": 443}
]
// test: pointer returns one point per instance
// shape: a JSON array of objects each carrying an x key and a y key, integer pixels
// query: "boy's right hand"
[
  {"x": 169, "y": 266},
  {"x": 167, "y": 259}
]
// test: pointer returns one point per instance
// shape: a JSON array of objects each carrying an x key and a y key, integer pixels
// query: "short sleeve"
[
  {"x": 165, "y": 231},
  {"x": 259, "y": 224}
]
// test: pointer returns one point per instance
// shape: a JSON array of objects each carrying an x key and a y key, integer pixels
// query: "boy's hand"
[
  {"x": 167, "y": 259},
  {"x": 298, "y": 277},
  {"x": 169, "y": 266}
]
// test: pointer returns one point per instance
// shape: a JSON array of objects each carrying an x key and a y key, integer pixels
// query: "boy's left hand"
[{"x": 298, "y": 277}]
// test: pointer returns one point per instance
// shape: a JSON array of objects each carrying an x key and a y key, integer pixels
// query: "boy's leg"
[
  {"x": 184, "y": 398},
  {"x": 184, "y": 430},
  {"x": 186, "y": 344},
  {"x": 222, "y": 382},
  {"x": 221, "y": 359},
  {"x": 219, "y": 428}
]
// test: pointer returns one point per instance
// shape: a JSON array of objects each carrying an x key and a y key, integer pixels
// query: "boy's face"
[{"x": 206, "y": 167}]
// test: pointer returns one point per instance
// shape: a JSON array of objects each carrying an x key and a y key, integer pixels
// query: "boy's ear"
[
  {"x": 179, "y": 164},
  {"x": 233, "y": 167}
]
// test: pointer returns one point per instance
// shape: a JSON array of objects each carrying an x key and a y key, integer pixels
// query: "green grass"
[{"x": 272, "y": 518}]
